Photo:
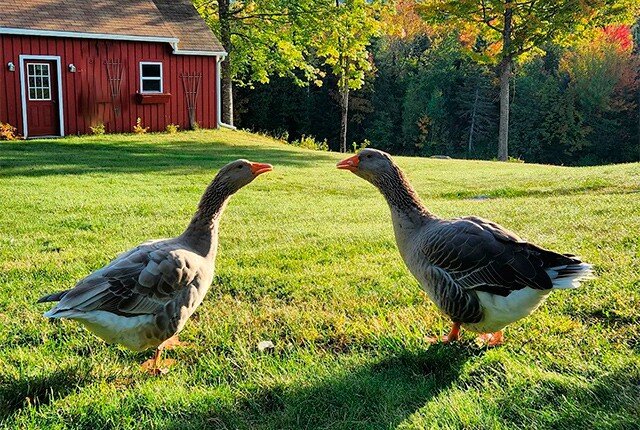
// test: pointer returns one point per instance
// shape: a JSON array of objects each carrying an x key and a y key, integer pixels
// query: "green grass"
[{"x": 307, "y": 259}]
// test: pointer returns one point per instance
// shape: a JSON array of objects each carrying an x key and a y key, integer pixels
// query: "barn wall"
[{"x": 86, "y": 93}]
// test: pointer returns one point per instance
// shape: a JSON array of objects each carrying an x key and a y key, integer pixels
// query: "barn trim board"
[
  {"x": 81, "y": 35},
  {"x": 23, "y": 92}
]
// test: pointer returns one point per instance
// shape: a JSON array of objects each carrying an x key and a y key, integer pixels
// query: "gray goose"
[
  {"x": 478, "y": 273},
  {"x": 144, "y": 297}
]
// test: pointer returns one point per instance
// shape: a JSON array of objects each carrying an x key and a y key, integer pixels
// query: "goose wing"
[
  {"x": 139, "y": 282},
  {"x": 481, "y": 255}
]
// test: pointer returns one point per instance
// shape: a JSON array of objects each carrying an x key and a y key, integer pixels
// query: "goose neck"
[
  {"x": 202, "y": 232},
  {"x": 406, "y": 207}
]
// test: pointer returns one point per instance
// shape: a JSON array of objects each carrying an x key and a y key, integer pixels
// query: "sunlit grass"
[{"x": 307, "y": 260}]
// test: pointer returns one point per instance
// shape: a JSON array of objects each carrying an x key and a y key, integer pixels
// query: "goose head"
[
  {"x": 369, "y": 164},
  {"x": 239, "y": 173}
]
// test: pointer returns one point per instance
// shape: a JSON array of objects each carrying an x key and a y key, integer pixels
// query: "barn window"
[
  {"x": 150, "y": 77},
  {"x": 39, "y": 86}
]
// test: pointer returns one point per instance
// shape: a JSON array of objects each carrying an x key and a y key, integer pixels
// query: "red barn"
[{"x": 68, "y": 65}]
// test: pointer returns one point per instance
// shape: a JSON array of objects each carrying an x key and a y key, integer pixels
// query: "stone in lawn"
[{"x": 265, "y": 345}]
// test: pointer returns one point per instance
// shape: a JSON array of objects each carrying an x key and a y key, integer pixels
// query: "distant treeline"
[{"x": 577, "y": 104}]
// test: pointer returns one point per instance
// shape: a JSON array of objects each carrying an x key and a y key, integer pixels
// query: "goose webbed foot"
[
  {"x": 454, "y": 335},
  {"x": 173, "y": 343},
  {"x": 156, "y": 366},
  {"x": 491, "y": 339}
]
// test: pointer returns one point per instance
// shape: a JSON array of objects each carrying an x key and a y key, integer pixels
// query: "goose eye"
[
  {"x": 369, "y": 156},
  {"x": 240, "y": 166}
]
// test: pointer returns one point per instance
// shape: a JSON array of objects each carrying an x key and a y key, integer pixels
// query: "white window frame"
[{"x": 152, "y": 63}]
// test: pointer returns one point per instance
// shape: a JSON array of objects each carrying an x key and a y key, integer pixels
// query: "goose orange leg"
[
  {"x": 156, "y": 366},
  {"x": 454, "y": 334},
  {"x": 492, "y": 339}
]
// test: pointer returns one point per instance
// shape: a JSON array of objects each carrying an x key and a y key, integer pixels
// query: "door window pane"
[{"x": 39, "y": 81}]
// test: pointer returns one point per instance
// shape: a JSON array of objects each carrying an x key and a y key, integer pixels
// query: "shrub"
[
  {"x": 98, "y": 129},
  {"x": 7, "y": 131},
  {"x": 279, "y": 134},
  {"x": 138, "y": 128},
  {"x": 309, "y": 142},
  {"x": 172, "y": 128},
  {"x": 357, "y": 147}
]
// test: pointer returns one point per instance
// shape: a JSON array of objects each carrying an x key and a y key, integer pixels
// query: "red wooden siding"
[{"x": 86, "y": 93}]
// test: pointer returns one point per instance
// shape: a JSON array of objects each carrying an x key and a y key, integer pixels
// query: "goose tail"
[
  {"x": 570, "y": 275},
  {"x": 55, "y": 297}
]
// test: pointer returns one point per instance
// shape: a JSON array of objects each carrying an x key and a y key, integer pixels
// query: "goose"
[
  {"x": 481, "y": 275},
  {"x": 144, "y": 297}
]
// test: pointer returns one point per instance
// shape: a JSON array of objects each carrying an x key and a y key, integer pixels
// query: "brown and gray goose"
[
  {"x": 144, "y": 297},
  {"x": 480, "y": 274}
]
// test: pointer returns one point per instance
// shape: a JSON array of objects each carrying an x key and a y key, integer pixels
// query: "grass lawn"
[{"x": 307, "y": 260}]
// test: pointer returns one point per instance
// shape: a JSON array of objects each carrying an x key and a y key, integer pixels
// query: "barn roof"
[{"x": 172, "y": 21}]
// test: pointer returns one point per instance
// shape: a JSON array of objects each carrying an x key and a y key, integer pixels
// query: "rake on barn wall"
[
  {"x": 191, "y": 85},
  {"x": 115, "y": 70}
]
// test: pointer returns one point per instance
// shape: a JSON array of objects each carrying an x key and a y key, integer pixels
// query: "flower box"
[{"x": 152, "y": 98}]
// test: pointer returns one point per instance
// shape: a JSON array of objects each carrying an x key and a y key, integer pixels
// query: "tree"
[
  {"x": 343, "y": 43},
  {"x": 262, "y": 38},
  {"x": 476, "y": 104},
  {"x": 603, "y": 73},
  {"x": 636, "y": 51},
  {"x": 511, "y": 28}
]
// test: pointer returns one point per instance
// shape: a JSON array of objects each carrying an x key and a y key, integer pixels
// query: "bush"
[
  {"x": 358, "y": 147},
  {"x": 278, "y": 134},
  {"x": 138, "y": 128},
  {"x": 98, "y": 129},
  {"x": 309, "y": 142},
  {"x": 7, "y": 132},
  {"x": 172, "y": 128}
]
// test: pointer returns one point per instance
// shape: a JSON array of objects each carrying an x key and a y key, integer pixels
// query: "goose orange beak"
[
  {"x": 350, "y": 164},
  {"x": 259, "y": 168}
]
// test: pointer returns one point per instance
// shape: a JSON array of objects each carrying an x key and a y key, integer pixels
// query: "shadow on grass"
[
  {"x": 40, "y": 390},
  {"x": 609, "y": 402},
  {"x": 62, "y": 158},
  {"x": 376, "y": 396}
]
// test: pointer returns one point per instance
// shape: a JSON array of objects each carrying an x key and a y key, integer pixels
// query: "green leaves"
[
  {"x": 344, "y": 38},
  {"x": 266, "y": 37},
  {"x": 294, "y": 38}
]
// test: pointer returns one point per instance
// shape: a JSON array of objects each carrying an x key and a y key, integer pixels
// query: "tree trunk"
[
  {"x": 505, "y": 77},
  {"x": 344, "y": 116},
  {"x": 227, "y": 84},
  {"x": 473, "y": 120},
  {"x": 343, "y": 90},
  {"x": 503, "y": 133}
]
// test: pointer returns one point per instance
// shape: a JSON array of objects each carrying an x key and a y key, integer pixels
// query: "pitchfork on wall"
[
  {"x": 115, "y": 69},
  {"x": 191, "y": 85}
]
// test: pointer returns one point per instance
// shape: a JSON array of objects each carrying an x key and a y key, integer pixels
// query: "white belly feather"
[
  {"x": 135, "y": 333},
  {"x": 499, "y": 311}
]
